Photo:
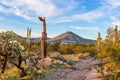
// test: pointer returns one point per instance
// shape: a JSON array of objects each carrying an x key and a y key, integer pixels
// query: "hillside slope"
[{"x": 70, "y": 37}]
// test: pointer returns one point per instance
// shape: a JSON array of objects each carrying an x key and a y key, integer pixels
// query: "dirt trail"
[{"x": 84, "y": 71}]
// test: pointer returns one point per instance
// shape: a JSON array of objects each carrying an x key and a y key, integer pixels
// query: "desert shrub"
[
  {"x": 66, "y": 49},
  {"x": 56, "y": 66},
  {"x": 109, "y": 55},
  {"x": 11, "y": 74},
  {"x": 54, "y": 54},
  {"x": 39, "y": 74},
  {"x": 53, "y": 46}
]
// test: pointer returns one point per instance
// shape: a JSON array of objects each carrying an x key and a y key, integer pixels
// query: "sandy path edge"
[{"x": 84, "y": 71}]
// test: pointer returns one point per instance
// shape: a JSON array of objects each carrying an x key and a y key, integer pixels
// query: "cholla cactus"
[
  {"x": 11, "y": 50},
  {"x": 5, "y": 46},
  {"x": 9, "y": 44},
  {"x": 5, "y": 38},
  {"x": 16, "y": 47}
]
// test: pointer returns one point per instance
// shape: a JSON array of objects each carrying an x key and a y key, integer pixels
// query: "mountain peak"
[
  {"x": 69, "y": 32},
  {"x": 70, "y": 37}
]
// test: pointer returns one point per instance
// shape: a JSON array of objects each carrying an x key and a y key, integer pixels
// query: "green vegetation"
[
  {"x": 20, "y": 58},
  {"x": 109, "y": 55},
  {"x": 72, "y": 48},
  {"x": 15, "y": 59}
]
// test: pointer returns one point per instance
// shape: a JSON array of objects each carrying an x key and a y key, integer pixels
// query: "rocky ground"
[{"x": 84, "y": 70}]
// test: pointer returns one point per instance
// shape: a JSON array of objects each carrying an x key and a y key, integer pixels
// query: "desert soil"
[{"x": 84, "y": 70}]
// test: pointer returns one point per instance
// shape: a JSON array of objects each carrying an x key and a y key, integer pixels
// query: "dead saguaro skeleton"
[{"x": 44, "y": 38}]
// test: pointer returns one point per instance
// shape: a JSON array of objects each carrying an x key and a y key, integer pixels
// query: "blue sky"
[{"x": 83, "y": 17}]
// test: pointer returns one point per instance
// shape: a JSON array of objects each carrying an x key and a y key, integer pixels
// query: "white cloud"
[
  {"x": 4, "y": 29},
  {"x": 1, "y": 18},
  {"x": 112, "y": 3},
  {"x": 1, "y": 9},
  {"x": 63, "y": 19},
  {"x": 30, "y": 9},
  {"x": 89, "y": 17},
  {"x": 85, "y": 28},
  {"x": 107, "y": 8},
  {"x": 115, "y": 20},
  {"x": 116, "y": 23},
  {"x": 23, "y": 34}
]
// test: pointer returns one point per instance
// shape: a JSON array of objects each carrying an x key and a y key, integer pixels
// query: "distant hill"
[
  {"x": 64, "y": 37},
  {"x": 37, "y": 39},
  {"x": 71, "y": 37}
]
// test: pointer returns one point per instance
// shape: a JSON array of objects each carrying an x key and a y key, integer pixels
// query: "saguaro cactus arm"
[{"x": 41, "y": 19}]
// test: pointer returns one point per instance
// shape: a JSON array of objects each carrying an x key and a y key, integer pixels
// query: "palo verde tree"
[{"x": 109, "y": 54}]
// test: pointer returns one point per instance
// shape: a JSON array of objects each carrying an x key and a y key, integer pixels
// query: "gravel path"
[{"x": 84, "y": 71}]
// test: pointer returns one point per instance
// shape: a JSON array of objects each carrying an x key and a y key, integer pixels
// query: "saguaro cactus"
[
  {"x": 28, "y": 38},
  {"x": 116, "y": 35},
  {"x": 44, "y": 38},
  {"x": 28, "y": 43},
  {"x": 98, "y": 42}
]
